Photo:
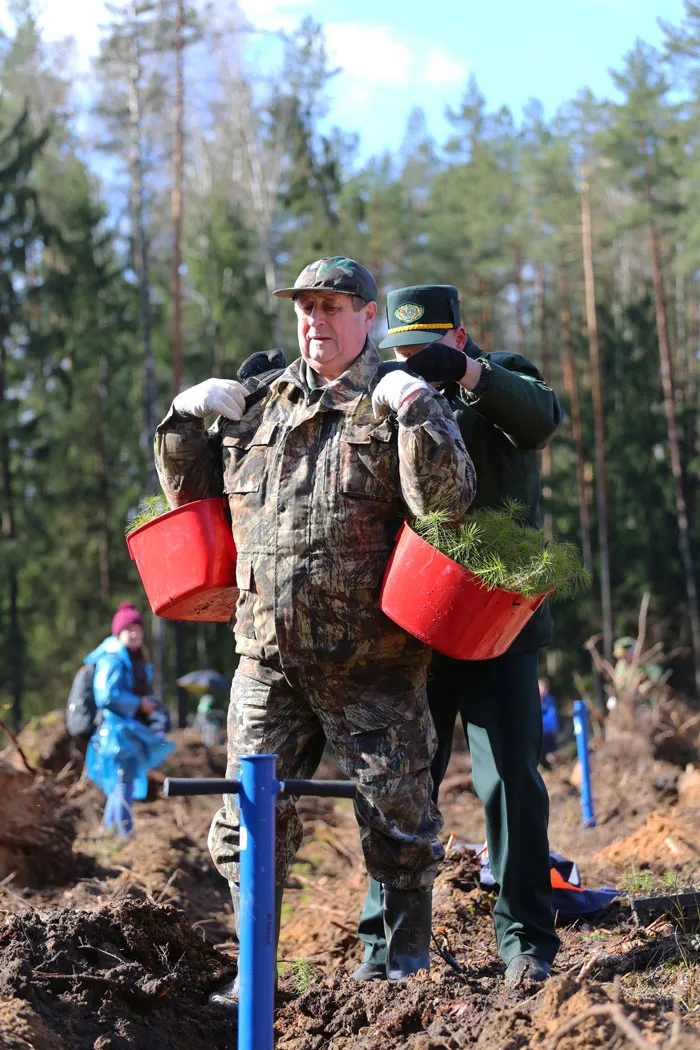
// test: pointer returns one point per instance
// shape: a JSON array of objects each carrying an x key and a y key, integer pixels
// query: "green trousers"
[{"x": 499, "y": 704}]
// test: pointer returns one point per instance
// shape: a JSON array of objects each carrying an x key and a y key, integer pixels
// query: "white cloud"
[
  {"x": 370, "y": 54},
  {"x": 272, "y": 15},
  {"x": 80, "y": 19},
  {"x": 442, "y": 68}
]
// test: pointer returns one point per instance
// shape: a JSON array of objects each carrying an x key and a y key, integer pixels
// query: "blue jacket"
[
  {"x": 121, "y": 743},
  {"x": 550, "y": 716}
]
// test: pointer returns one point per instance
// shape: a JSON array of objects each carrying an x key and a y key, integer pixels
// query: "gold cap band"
[{"x": 418, "y": 328}]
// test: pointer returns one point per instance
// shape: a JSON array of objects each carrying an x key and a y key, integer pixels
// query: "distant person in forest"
[
  {"x": 632, "y": 676},
  {"x": 550, "y": 721},
  {"x": 130, "y": 738}
]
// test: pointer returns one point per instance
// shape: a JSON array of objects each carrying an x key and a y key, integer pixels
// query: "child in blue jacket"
[
  {"x": 124, "y": 747},
  {"x": 550, "y": 720}
]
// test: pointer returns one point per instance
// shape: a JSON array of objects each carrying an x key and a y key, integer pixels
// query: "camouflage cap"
[{"x": 334, "y": 274}]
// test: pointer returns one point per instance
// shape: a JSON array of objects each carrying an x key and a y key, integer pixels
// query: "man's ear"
[
  {"x": 461, "y": 338},
  {"x": 370, "y": 314}
]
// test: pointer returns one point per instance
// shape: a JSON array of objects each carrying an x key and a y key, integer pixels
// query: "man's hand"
[
  {"x": 439, "y": 363},
  {"x": 393, "y": 389},
  {"x": 147, "y": 706},
  {"x": 224, "y": 396}
]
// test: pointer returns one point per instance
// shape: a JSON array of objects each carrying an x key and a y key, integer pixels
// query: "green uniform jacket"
[{"x": 509, "y": 416}]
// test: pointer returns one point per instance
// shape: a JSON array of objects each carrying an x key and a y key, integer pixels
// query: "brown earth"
[{"x": 123, "y": 958}]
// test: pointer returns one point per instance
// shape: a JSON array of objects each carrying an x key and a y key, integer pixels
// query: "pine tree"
[{"x": 643, "y": 145}]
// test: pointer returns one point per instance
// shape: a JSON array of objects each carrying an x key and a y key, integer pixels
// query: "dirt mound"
[
  {"x": 441, "y": 1011},
  {"x": 689, "y": 788},
  {"x": 191, "y": 758},
  {"x": 45, "y": 743},
  {"x": 37, "y": 829},
  {"x": 21, "y": 1028},
  {"x": 662, "y": 839},
  {"x": 128, "y": 975}
]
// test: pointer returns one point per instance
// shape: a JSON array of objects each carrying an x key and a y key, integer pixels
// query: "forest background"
[{"x": 141, "y": 236}]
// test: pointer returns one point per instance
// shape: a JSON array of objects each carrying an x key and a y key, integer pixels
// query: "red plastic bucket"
[
  {"x": 447, "y": 606},
  {"x": 187, "y": 562}
]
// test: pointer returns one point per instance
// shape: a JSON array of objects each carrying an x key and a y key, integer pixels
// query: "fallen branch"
[
  {"x": 615, "y": 1014},
  {"x": 18, "y": 747}
]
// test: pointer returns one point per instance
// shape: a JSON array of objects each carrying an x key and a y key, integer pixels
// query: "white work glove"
[
  {"x": 394, "y": 388},
  {"x": 224, "y": 396}
]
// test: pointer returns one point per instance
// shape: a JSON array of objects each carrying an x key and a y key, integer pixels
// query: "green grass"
[
  {"x": 637, "y": 883},
  {"x": 499, "y": 547},
  {"x": 302, "y": 972}
]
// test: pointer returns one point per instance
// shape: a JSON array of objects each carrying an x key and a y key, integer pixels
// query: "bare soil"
[{"x": 124, "y": 956}]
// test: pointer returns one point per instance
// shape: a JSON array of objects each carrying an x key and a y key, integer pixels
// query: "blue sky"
[{"x": 400, "y": 53}]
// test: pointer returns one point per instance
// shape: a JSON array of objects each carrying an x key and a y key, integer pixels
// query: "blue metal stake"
[
  {"x": 257, "y": 792},
  {"x": 256, "y": 938},
  {"x": 581, "y": 731}
]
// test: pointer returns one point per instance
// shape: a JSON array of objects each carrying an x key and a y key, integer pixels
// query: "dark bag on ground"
[{"x": 81, "y": 710}]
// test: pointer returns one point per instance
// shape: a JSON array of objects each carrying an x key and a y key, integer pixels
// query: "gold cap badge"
[{"x": 409, "y": 312}]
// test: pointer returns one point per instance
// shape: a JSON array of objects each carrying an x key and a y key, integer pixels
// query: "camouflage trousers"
[{"x": 376, "y": 720}]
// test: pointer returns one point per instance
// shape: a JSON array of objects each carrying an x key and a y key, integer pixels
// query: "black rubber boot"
[
  {"x": 526, "y": 968},
  {"x": 370, "y": 971},
  {"x": 407, "y": 922},
  {"x": 227, "y": 995}
]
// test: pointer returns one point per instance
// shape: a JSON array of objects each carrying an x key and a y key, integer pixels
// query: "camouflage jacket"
[{"x": 318, "y": 486}]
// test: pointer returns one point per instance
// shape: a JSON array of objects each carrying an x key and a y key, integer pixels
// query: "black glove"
[
  {"x": 438, "y": 363},
  {"x": 263, "y": 361}
]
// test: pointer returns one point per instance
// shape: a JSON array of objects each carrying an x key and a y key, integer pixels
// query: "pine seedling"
[
  {"x": 149, "y": 508},
  {"x": 498, "y": 546}
]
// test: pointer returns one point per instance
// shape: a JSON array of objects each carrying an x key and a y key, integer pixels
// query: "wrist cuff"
[{"x": 484, "y": 381}]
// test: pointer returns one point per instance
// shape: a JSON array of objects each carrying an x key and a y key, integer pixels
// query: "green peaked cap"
[{"x": 421, "y": 313}]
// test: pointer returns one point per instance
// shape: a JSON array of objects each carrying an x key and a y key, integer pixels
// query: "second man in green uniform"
[{"x": 505, "y": 412}]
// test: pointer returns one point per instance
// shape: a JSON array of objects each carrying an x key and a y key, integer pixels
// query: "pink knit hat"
[{"x": 125, "y": 616}]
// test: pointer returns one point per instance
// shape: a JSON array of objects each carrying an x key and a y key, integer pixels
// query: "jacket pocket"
[
  {"x": 246, "y": 459},
  {"x": 369, "y": 464}
]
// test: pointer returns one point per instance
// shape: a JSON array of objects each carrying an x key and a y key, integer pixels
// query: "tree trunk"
[
  {"x": 176, "y": 197},
  {"x": 571, "y": 389},
  {"x": 518, "y": 306},
  {"x": 14, "y": 654},
  {"x": 674, "y": 447},
  {"x": 584, "y": 514},
  {"x": 691, "y": 386},
  {"x": 484, "y": 292},
  {"x": 102, "y": 493},
  {"x": 547, "y": 522},
  {"x": 180, "y": 669},
  {"x": 142, "y": 247},
  {"x": 598, "y": 416}
]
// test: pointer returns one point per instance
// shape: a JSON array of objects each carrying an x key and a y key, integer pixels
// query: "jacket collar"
[{"x": 343, "y": 393}]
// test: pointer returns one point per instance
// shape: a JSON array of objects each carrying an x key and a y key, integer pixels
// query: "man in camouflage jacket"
[{"x": 319, "y": 474}]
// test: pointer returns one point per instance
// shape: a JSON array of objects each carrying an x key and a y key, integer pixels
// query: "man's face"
[
  {"x": 456, "y": 337},
  {"x": 331, "y": 334}
]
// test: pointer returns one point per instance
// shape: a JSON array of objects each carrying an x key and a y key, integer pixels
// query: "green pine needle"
[
  {"x": 497, "y": 545},
  {"x": 149, "y": 508}
]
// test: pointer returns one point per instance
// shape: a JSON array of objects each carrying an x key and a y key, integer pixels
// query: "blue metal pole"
[
  {"x": 581, "y": 731},
  {"x": 256, "y": 937}
]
